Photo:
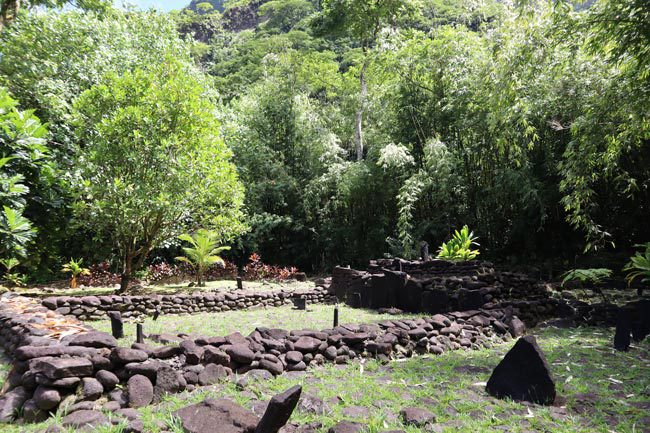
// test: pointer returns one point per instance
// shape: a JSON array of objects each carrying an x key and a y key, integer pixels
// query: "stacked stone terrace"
[
  {"x": 62, "y": 365},
  {"x": 438, "y": 286}
]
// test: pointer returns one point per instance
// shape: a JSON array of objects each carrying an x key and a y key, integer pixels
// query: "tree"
[
  {"x": 202, "y": 253},
  {"x": 284, "y": 14},
  {"x": 363, "y": 21},
  {"x": 154, "y": 165},
  {"x": 9, "y": 9},
  {"x": 48, "y": 59}
]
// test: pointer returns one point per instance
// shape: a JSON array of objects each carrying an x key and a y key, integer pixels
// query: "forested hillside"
[{"x": 338, "y": 130}]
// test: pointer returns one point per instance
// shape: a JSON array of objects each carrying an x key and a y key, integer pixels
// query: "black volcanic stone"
[
  {"x": 220, "y": 415},
  {"x": 622, "y": 337},
  {"x": 94, "y": 339},
  {"x": 279, "y": 410},
  {"x": 523, "y": 375}
]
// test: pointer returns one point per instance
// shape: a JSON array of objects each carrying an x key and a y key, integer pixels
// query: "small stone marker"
[
  {"x": 523, "y": 374},
  {"x": 139, "y": 333},
  {"x": 117, "y": 326},
  {"x": 622, "y": 337},
  {"x": 424, "y": 251},
  {"x": 240, "y": 284},
  {"x": 336, "y": 316},
  {"x": 300, "y": 303}
]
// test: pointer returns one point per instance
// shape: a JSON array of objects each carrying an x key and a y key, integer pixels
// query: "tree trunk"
[
  {"x": 358, "y": 136},
  {"x": 126, "y": 273},
  {"x": 7, "y": 6}
]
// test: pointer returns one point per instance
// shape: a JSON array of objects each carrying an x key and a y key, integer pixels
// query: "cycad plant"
[
  {"x": 202, "y": 253},
  {"x": 459, "y": 247},
  {"x": 639, "y": 265},
  {"x": 74, "y": 268}
]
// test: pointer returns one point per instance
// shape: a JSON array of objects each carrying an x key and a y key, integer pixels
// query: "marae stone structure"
[{"x": 76, "y": 365}]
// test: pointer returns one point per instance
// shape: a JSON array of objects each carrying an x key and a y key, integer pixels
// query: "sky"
[{"x": 165, "y": 5}]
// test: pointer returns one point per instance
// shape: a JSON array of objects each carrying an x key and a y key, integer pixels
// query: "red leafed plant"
[
  {"x": 258, "y": 270},
  {"x": 100, "y": 276}
]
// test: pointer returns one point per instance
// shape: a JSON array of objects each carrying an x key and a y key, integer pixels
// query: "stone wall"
[
  {"x": 437, "y": 286},
  {"x": 96, "y": 307},
  {"x": 77, "y": 368}
]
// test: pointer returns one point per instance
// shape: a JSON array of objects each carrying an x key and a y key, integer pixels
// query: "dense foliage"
[
  {"x": 153, "y": 164},
  {"x": 357, "y": 128}
]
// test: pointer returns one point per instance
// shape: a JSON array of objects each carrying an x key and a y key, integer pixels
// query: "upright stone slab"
[
  {"x": 523, "y": 374},
  {"x": 380, "y": 289},
  {"x": 641, "y": 324},
  {"x": 279, "y": 410},
  {"x": 469, "y": 299},
  {"x": 395, "y": 281},
  {"x": 622, "y": 337},
  {"x": 435, "y": 300},
  {"x": 412, "y": 296}
]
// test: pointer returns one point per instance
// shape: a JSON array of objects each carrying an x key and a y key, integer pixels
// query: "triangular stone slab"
[{"x": 523, "y": 375}]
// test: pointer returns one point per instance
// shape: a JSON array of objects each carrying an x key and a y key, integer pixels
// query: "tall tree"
[
  {"x": 362, "y": 20},
  {"x": 154, "y": 165}
]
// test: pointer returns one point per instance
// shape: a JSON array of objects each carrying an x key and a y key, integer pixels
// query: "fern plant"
[
  {"x": 459, "y": 247},
  {"x": 202, "y": 253},
  {"x": 639, "y": 265},
  {"x": 589, "y": 276},
  {"x": 74, "y": 268}
]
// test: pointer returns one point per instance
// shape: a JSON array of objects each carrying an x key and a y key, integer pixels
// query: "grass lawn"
[
  {"x": 317, "y": 316},
  {"x": 164, "y": 289},
  {"x": 606, "y": 391}
]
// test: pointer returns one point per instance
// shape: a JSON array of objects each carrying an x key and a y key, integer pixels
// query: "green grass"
[
  {"x": 5, "y": 366},
  {"x": 606, "y": 391},
  {"x": 163, "y": 289},
  {"x": 317, "y": 316}
]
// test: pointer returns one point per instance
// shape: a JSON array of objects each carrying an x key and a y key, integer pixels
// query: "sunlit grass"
[{"x": 317, "y": 316}]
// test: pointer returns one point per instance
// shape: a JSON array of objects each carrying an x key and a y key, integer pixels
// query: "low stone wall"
[
  {"x": 24, "y": 322},
  {"x": 80, "y": 369},
  {"x": 434, "y": 286},
  {"x": 96, "y": 307}
]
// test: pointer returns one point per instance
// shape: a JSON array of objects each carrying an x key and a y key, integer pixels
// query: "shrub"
[
  {"x": 459, "y": 247},
  {"x": 100, "y": 276},
  {"x": 74, "y": 268},
  {"x": 163, "y": 270},
  {"x": 257, "y": 270},
  {"x": 13, "y": 278}
]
